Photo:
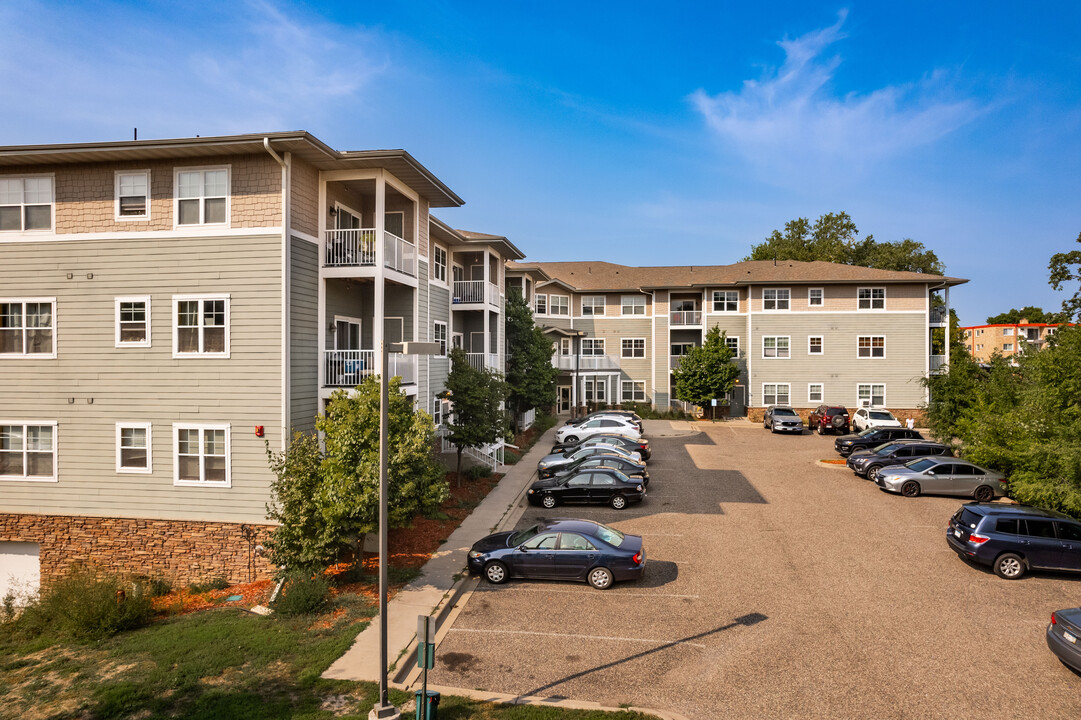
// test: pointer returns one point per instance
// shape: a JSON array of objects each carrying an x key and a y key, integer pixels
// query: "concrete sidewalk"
[{"x": 439, "y": 575}]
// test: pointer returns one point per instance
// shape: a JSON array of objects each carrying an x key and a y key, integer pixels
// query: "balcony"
[
  {"x": 939, "y": 317},
  {"x": 483, "y": 361},
  {"x": 475, "y": 292},
  {"x": 685, "y": 318},
  {"x": 349, "y": 368},
  {"x": 938, "y": 363},
  {"x": 585, "y": 362},
  {"x": 357, "y": 248},
  {"x": 674, "y": 361}
]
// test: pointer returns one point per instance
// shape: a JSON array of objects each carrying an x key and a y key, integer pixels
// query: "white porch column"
[
  {"x": 484, "y": 299},
  {"x": 946, "y": 334},
  {"x": 379, "y": 309}
]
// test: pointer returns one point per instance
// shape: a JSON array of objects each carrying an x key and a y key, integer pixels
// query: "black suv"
[
  {"x": 1013, "y": 539},
  {"x": 828, "y": 417},
  {"x": 872, "y": 437},
  {"x": 868, "y": 462}
]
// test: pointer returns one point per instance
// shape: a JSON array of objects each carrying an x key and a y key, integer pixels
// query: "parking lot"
[{"x": 774, "y": 587}]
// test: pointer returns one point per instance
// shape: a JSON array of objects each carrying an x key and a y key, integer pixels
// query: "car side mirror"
[
  {"x": 929, "y": 472},
  {"x": 521, "y": 548}
]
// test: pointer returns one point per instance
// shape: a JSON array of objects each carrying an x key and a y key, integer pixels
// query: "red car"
[{"x": 829, "y": 417}]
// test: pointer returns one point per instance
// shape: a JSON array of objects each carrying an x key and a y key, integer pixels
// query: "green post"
[{"x": 425, "y": 659}]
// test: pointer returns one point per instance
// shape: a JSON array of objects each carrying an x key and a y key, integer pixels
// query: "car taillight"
[
  {"x": 1053, "y": 620},
  {"x": 637, "y": 559},
  {"x": 977, "y": 539}
]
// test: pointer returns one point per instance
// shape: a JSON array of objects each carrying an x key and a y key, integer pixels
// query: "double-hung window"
[
  {"x": 133, "y": 321},
  {"x": 27, "y": 327},
  {"x": 775, "y": 394},
  {"x": 732, "y": 341},
  {"x": 133, "y": 195},
  {"x": 814, "y": 392},
  {"x": 202, "y": 196},
  {"x": 592, "y": 347},
  {"x": 632, "y": 390},
  {"x": 633, "y": 305},
  {"x": 725, "y": 301},
  {"x": 814, "y": 345},
  {"x": 439, "y": 335},
  {"x": 870, "y": 395},
  {"x": 201, "y": 455},
  {"x": 133, "y": 447},
  {"x": 559, "y": 305},
  {"x": 27, "y": 451},
  {"x": 593, "y": 305},
  {"x": 200, "y": 326},
  {"x": 26, "y": 203},
  {"x": 871, "y": 298},
  {"x": 871, "y": 346},
  {"x": 776, "y": 298},
  {"x": 633, "y": 348},
  {"x": 439, "y": 263},
  {"x": 540, "y": 303},
  {"x": 815, "y": 297},
  {"x": 776, "y": 346}
]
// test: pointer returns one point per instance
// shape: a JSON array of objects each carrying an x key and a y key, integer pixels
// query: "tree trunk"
[{"x": 458, "y": 470}]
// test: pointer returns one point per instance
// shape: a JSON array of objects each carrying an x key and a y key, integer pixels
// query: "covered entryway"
[
  {"x": 20, "y": 570},
  {"x": 564, "y": 398}
]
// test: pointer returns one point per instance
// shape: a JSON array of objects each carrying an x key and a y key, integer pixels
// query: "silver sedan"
[{"x": 942, "y": 476}]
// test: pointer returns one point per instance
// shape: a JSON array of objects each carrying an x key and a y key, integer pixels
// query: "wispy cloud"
[{"x": 790, "y": 120}]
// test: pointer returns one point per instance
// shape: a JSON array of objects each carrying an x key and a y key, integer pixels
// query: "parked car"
[
  {"x": 779, "y": 418},
  {"x": 942, "y": 476},
  {"x": 865, "y": 418},
  {"x": 1013, "y": 539},
  {"x": 636, "y": 446},
  {"x": 591, "y": 485},
  {"x": 868, "y": 463},
  {"x": 560, "y": 549},
  {"x": 633, "y": 469},
  {"x": 872, "y": 437},
  {"x": 828, "y": 417},
  {"x": 1064, "y": 636},
  {"x": 624, "y": 414},
  {"x": 596, "y": 426},
  {"x": 558, "y": 462}
]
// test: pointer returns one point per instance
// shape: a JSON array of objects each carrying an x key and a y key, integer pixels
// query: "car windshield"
[
  {"x": 522, "y": 535},
  {"x": 878, "y": 415},
  {"x": 610, "y": 535},
  {"x": 921, "y": 464},
  {"x": 784, "y": 411},
  {"x": 887, "y": 448}
]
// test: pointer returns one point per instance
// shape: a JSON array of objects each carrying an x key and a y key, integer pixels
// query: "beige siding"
[
  {"x": 843, "y": 298},
  {"x": 304, "y": 186},
  {"x": 91, "y": 384},
  {"x": 304, "y": 335}
]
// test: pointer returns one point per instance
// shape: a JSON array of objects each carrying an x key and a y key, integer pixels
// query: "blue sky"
[{"x": 641, "y": 133}]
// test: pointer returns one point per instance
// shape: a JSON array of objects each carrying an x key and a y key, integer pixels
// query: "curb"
[
  {"x": 835, "y": 466},
  {"x": 508, "y": 699}
]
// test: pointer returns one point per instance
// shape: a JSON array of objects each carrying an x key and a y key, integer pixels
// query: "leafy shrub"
[
  {"x": 303, "y": 595},
  {"x": 217, "y": 583},
  {"x": 510, "y": 457},
  {"x": 153, "y": 586},
  {"x": 83, "y": 607},
  {"x": 478, "y": 471}
]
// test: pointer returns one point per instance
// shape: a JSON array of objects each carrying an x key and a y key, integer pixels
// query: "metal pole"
[{"x": 383, "y": 708}]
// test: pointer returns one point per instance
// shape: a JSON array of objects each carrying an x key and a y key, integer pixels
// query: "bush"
[
  {"x": 303, "y": 595},
  {"x": 217, "y": 583},
  {"x": 478, "y": 471}
]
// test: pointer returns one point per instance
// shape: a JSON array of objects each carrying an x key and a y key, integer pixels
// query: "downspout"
[{"x": 286, "y": 285}]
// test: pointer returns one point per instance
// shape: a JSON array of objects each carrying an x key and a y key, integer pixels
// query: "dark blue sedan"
[{"x": 560, "y": 549}]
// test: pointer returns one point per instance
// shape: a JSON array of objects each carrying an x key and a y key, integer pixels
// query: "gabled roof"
[
  {"x": 445, "y": 233},
  {"x": 599, "y": 275}
]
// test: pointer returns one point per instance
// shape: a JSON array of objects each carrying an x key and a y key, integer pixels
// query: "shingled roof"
[{"x": 597, "y": 275}]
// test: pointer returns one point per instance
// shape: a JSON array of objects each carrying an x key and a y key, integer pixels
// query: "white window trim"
[
  {"x": 177, "y": 427},
  {"x": 871, "y": 401},
  {"x": 821, "y": 344},
  {"x": 555, "y": 314},
  {"x": 395, "y": 212},
  {"x": 633, "y": 357},
  {"x": 52, "y": 206},
  {"x": 593, "y": 343},
  {"x": 149, "y": 448},
  {"x": 735, "y": 350},
  {"x": 872, "y": 356},
  {"x": 56, "y": 338},
  {"x": 777, "y": 357},
  {"x": 822, "y": 298},
  {"x": 593, "y": 305},
  {"x": 132, "y": 298},
  {"x": 624, "y": 398},
  {"x": 56, "y": 454},
  {"x": 713, "y": 302},
  {"x": 775, "y": 393},
  {"x": 537, "y": 295},
  {"x": 822, "y": 392},
  {"x": 116, "y": 197},
  {"x": 777, "y": 310},
  {"x": 445, "y": 282},
  {"x": 202, "y": 207},
  {"x": 634, "y": 299},
  {"x": 228, "y": 324},
  {"x": 871, "y": 309},
  {"x": 446, "y": 337}
]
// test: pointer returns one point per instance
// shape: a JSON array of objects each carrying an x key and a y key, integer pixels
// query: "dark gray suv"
[
  {"x": 868, "y": 463},
  {"x": 1013, "y": 539}
]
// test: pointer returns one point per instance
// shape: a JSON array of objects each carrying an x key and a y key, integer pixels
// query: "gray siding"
[
  {"x": 438, "y": 367},
  {"x": 354, "y": 300},
  {"x": 304, "y": 335},
  {"x": 424, "y": 333}
]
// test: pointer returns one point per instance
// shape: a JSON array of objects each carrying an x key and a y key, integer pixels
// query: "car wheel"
[
  {"x": 984, "y": 493},
  {"x": 600, "y": 578},
  {"x": 549, "y": 501},
  {"x": 571, "y": 440},
  {"x": 496, "y": 572},
  {"x": 1009, "y": 566},
  {"x": 838, "y": 422},
  {"x": 773, "y": 430},
  {"x": 618, "y": 502},
  {"x": 872, "y": 473},
  {"x": 911, "y": 489}
]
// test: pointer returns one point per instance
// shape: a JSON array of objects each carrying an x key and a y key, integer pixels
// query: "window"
[
  {"x": 725, "y": 301},
  {"x": 814, "y": 345},
  {"x": 775, "y": 394},
  {"x": 871, "y": 346},
  {"x": 437, "y": 412},
  {"x": 133, "y": 321},
  {"x": 872, "y": 395},
  {"x": 594, "y": 392},
  {"x": 871, "y": 298},
  {"x": 133, "y": 195},
  {"x": 201, "y": 325},
  {"x": 775, "y": 299},
  {"x": 540, "y": 304},
  {"x": 633, "y": 305},
  {"x": 814, "y": 392},
  {"x": 1007, "y": 346},
  {"x": 201, "y": 455},
  {"x": 593, "y": 305},
  {"x": 564, "y": 346},
  {"x": 1007, "y": 332},
  {"x": 439, "y": 263},
  {"x": 560, "y": 305},
  {"x": 28, "y": 451},
  {"x": 439, "y": 335},
  {"x": 681, "y": 349},
  {"x": 633, "y": 390},
  {"x": 394, "y": 223},
  {"x": 133, "y": 447},
  {"x": 592, "y": 346},
  {"x": 634, "y": 347},
  {"x": 733, "y": 343},
  {"x": 815, "y": 297},
  {"x": 775, "y": 346},
  {"x": 572, "y": 541},
  {"x": 26, "y": 327},
  {"x": 26, "y": 203},
  {"x": 202, "y": 196},
  {"x": 543, "y": 542}
]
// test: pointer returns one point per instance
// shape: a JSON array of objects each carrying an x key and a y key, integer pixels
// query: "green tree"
[
  {"x": 531, "y": 377},
  {"x": 706, "y": 372},
  {"x": 1030, "y": 313},
  {"x": 478, "y": 397},
  {"x": 1062, "y": 271},
  {"x": 957, "y": 340},
  {"x": 324, "y": 500}
]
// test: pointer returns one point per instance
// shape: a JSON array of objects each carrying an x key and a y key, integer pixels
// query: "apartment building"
[
  {"x": 169, "y": 306},
  {"x": 803, "y": 333},
  {"x": 1007, "y": 339}
]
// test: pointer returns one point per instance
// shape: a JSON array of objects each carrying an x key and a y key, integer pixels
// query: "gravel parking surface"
[{"x": 774, "y": 588}]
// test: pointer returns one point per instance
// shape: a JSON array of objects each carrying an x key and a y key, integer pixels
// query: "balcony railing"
[
  {"x": 476, "y": 291},
  {"x": 483, "y": 361},
  {"x": 685, "y": 317},
  {"x": 585, "y": 362},
  {"x": 399, "y": 255},
  {"x": 356, "y": 248},
  {"x": 347, "y": 368},
  {"x": 403, "y": 366},
  {"x": 674, "y": 361},
  {"x": 937, "y": 363},
  {"x": 938, "y": 316}
]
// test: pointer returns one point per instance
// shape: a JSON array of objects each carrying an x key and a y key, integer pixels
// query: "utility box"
[{"x": 433, "y": 705}]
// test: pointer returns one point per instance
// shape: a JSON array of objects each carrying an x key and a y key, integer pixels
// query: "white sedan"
[
  {"x": 865, "y": 418},
  {"x": 596, "y": 426}
]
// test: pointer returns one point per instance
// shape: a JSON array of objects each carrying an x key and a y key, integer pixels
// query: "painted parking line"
[
  {"x": 613, "y": 638},
  {"x": 588, "y": 591}
]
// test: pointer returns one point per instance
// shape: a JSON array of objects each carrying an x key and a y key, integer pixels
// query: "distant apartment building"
[
  {"x": 803, "y": 333},
  {"x": 1006, "y": 339},
  {"x": 166, "y": 307}
]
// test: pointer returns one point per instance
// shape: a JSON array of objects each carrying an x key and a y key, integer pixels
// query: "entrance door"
[{"x": 564, "y": 398}]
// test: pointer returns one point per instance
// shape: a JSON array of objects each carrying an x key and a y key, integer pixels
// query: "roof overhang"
[{"x": 562, "y": 332}]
